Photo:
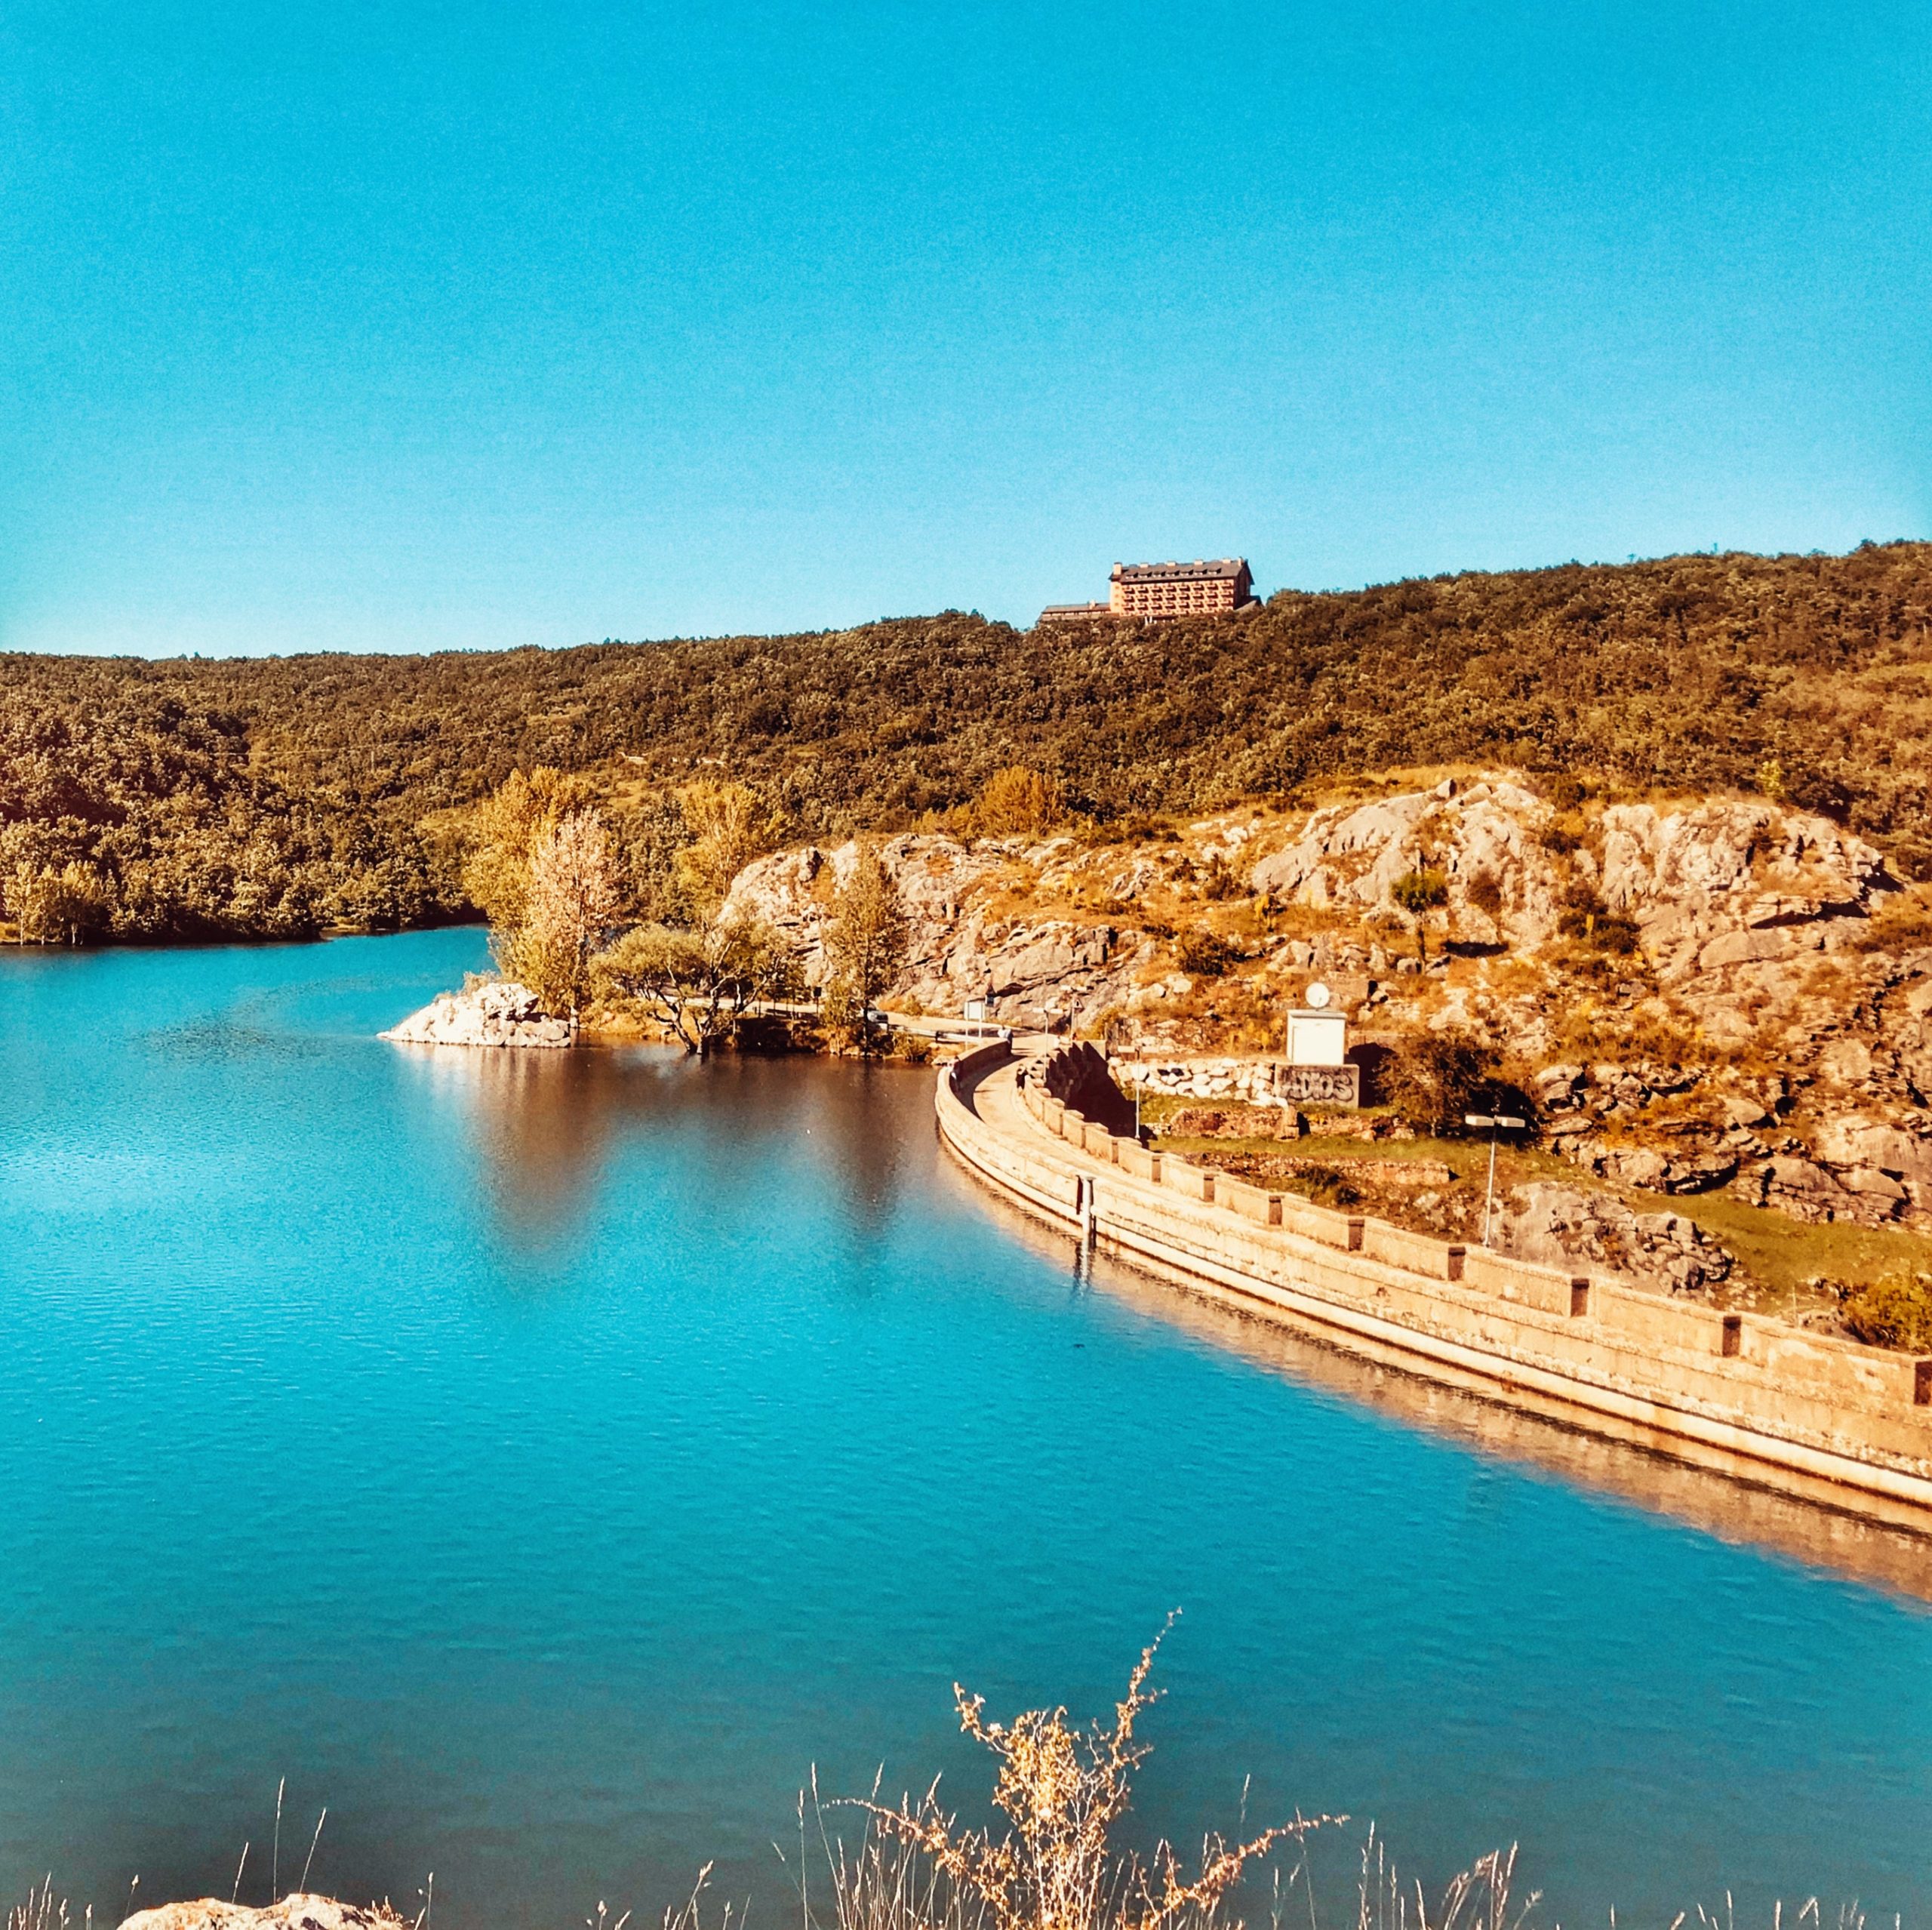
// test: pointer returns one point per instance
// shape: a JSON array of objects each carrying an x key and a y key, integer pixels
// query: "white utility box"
[{"x": 1317, "y": 1039}]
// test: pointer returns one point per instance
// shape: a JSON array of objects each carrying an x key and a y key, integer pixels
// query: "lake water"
[{"x": 545, "y": 1462}]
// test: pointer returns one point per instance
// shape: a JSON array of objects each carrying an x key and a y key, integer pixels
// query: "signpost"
[{"x": 1496, "y": 1122}]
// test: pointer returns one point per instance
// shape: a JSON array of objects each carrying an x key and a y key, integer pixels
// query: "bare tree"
[{"x": 568, "y": 910}]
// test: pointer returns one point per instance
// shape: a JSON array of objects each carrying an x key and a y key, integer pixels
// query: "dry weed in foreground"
[
  {"x": 40, "y": 1912},
  {"x": 1478, "y": 1899},
  {"x": 1057, "y": 1868}
]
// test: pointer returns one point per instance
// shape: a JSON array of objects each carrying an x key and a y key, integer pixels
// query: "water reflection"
[
  {"x": 1722, "y": 1494},
  {"x": 545, "y": 1126},
  {"x": 541, "y": 1123}
]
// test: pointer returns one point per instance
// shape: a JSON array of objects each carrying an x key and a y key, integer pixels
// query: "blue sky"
[{"x": 411, "y": 325}]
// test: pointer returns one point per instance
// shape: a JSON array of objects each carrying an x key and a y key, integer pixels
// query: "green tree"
[
  {"x": 728, "y": 826},
  {"x": 696, "y": 983},
  {"x": 1433, "y": 1078},
  {"x": 1416, "y": 894},
  {"x": 1017, "y": 802}
]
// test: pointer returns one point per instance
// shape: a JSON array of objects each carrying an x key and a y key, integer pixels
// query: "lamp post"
[{"x": 1496, "y": 1122}]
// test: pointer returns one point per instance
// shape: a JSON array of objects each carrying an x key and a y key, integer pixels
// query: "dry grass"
[{"x": 1056, "y": 1865}]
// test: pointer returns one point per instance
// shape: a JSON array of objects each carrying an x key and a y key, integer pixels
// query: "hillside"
[
  {"x": 1718, "y": 1013},
  {"x": 275, "y": 796}
]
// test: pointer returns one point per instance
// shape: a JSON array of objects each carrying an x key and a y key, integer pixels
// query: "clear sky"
[{"x": 431, "y": 323}]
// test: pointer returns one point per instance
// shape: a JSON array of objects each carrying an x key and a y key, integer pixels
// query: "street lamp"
[{"x": 1496, "y": 1123}]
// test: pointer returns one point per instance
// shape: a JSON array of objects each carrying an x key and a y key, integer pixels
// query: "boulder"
[
  {"x": 1799, "y": 1189},
  {"x": 294, "y": 1912},
  {"x": 1560, "y": 1226},
  {"x": 499, "y": 1013},
  {"x": 1851, "y": 1141}
]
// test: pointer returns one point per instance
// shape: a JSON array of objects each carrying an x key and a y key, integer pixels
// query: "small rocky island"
[{"x": 495, "y": 1012}]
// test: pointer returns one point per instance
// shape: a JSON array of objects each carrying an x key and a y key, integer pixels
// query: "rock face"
[
  {"x": 292, "y": 1912},
  {"x": 1030, "y": 971},
  {"x": 1503, "y": 885},
  {"x": 1557, "y": 1226},
  {"x": 1715, "y": 885},
  {"x": 498, "y": 1013},
  {"x": 1774, "y": 1030}
]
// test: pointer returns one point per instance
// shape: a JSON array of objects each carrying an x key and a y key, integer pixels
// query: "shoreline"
[{"x": 1833, "y": 1423}]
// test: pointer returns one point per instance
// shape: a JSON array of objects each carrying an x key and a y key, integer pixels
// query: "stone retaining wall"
[
  {"x": 1818, "y": 1407},
  {"x": 1256, "y": 1082}
]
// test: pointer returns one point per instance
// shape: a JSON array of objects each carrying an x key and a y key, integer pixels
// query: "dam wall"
[{"x": 1825, "y": 1409}]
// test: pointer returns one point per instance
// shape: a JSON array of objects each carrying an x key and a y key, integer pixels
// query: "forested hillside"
[{"x": 284, "y": 795}]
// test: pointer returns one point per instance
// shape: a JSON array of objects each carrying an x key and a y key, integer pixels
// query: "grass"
[{"x": 1784, "y": 1257}]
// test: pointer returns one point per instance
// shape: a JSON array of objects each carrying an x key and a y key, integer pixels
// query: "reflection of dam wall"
[{"x": 1823, "y": 1409}]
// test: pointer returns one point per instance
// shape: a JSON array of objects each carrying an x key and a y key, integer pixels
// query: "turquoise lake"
[{"x": 544, "y": 1462}]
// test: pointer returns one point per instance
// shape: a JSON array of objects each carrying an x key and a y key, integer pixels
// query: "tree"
[
  {"x": 1418, "y": 893},
  {"x": 865, "y": 943},
  {"x": 503, "y": 830},
  {"x": 50, "y": 907},
  {"x": 1432, "y": 1078},
  {"x": 696, "y": 983},
  {"x": 728, "y": 827},
  {"x": 1017, "y": 802},
  {"x": 568, "y": 907}
]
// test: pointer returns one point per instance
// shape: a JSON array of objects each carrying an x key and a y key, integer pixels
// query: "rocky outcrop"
[
  {"x": 1730, "y": 952},
  {"x": 292, "y": 1912},
  {"x": 1031, "y": 971},
  {"x": 1714, "y": 886},
  {"x": 1503, "y": 884},
  {"x": 499, "y": 1013},
  {"x": 1669, "y": 1131},
  {"x": 1559, "y": 1226}
]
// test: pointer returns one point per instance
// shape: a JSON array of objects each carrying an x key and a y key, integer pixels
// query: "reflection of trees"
[
  {"x": 541, "y": 1121},
  {"x": 846, "y": 1124},
  {"x": 547, "y": 1124}
]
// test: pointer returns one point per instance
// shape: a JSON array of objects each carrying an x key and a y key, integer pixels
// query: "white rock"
[{"x": 499, "y": 1013}]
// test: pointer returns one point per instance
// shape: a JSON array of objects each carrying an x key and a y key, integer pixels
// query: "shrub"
[
  {"x": 1895, "y": 1311},
  {"x": 1583, "y": 917},
  {"x": 1417, "y": 892},
  {"x": 1055, "y": 1864},
  {"x": 1433, "y": 1078},
  {"x": 1485, "y": 893},
  {"x": 1017, "y": 802},
  {"x": 1205, "y": 954},
  {"x": 1221, "y": 881}
]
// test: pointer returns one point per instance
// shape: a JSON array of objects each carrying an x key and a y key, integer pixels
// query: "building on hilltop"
[
  {"x": 1153, "y": 591},
  {"x": 1159, "y": 592}
]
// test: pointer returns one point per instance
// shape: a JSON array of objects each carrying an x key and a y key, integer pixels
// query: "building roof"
[
  {"x": 1196, "y": 572},
  {"x": 1067, "y": 610}
]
